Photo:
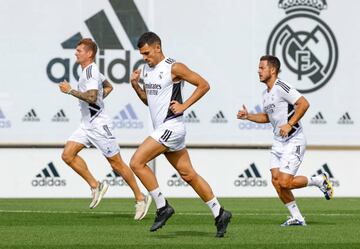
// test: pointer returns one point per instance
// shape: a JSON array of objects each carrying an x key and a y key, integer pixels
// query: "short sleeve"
[
  {"x": 289, "y": 94},
  {"x": 92, "y": 78}
]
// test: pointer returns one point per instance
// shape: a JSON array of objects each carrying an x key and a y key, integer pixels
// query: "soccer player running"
[
  {"x": 95, "y": 130},
  {"x": 283, "y": 107},
  {"x": 163, "y": 82}
]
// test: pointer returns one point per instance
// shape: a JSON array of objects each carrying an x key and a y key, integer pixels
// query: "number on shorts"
[
  {"x": 166, "y": 135},
  {"x": 107, "y": 130}
]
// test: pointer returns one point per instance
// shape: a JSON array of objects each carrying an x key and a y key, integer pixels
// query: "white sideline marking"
[{"x": 194, "y": 214}]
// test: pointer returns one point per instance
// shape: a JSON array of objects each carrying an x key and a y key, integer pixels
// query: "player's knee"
[
  {"x": 67, "y": 157},
  {"x": 275, "y": 182},
  {"x": 188, "y": 176},
  {"x": 285, "y": 184},
  {"x": 135, "y": 164}
]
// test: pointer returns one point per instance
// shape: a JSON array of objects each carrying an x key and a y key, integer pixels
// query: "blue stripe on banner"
[
  {"x": 131, "y": 111},
  {"x": 123, "y": 115}
]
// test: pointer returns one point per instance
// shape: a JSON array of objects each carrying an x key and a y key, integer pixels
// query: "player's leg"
[
  {"x": 146, "y": 152},
  {"x": 180, "y": 160},
  {"x": 70, "y": 157},
  {"x": 142, "y": 202},
  {"x": 278, "y": 165},
  {"x": 285, "y": 195}
]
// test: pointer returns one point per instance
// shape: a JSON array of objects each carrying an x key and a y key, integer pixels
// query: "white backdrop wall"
[
  {"x": 222, "y": 40},
  {"x": 230, "y": 172}
]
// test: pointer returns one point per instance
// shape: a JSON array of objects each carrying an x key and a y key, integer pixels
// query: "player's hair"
[
  {"x": 273, "y": 61},
  {"x": 149, "y": 38},
  {"x": 89, "y": 45}
]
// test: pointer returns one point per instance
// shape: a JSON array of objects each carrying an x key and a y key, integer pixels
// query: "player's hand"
[
  {"x": 243, "y": 114},
  {"x": 64, "y": 86},
  {"x": 176, "y": 107},
  {"x": 135, "y": 76},
  {"x": 285, "y": 129}
]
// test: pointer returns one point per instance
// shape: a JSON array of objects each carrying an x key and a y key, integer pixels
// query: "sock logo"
[
  {"x": 100, "y": 28},
  {"x": 248, "y": 125},
  {"x": 127, "y": 119},
  {"x": 31, "y": 116},
  {"x": 60, "y": 116},
  {"x": 191, "y": 118},
  {"x": 4, "y": 122},
  {"x": 250, "y": 178},
  {"x": 114, "y": 179},
  {"x": 48, "y": 177},
  {"x": 176, "y": 181},
  {"x": 325, "y": 168}
]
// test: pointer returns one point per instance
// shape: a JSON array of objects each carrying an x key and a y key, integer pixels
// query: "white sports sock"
[
  {"x": 315, "y": 180},
  {"x": 158, "y": 198},
  {"x": 294, "y": 210},
  {"x": 214, "y": 205}
]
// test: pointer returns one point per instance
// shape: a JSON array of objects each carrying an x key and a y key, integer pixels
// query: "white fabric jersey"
[
  {"x": 278, "y": 104},
  {"x": 160, "y": 90},
  {"x": 91, "y": 78}
]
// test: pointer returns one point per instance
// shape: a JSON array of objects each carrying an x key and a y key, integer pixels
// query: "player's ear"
[{"x": 157, "y": 47}]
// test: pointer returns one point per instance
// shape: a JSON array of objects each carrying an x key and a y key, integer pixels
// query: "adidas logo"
[
  {"x": 318, "y": 119},
  {"x": 325, "y": 168},
  {"x": 60, "y": 117},
  {"x": 250, "y": 178},
  {"x": 48, "y": 177},
  {"x": 4, "y": 122},
  {"x": 132, "y": 22},
  {"x": 127, "y": 119},
  {"x": 345, "y": 119},
  {"x": 114, "y": 179},
  {"x": 191, "y": 118},
  {"x": 176, "y": 181},
  {"x": 248, "y": 125},
  {"x": 31, "y": 116},
  {"x": 219, "y": 118}
]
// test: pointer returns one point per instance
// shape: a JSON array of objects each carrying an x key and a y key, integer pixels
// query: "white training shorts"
[
  {"x": 287, "y": 156},
  {"x": 100, "y": 136},
  {"x": 171, "y": 134}
]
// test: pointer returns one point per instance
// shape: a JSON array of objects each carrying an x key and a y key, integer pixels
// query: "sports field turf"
[{"x": 68, "y": 223}]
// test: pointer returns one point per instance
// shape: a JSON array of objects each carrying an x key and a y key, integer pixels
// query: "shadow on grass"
[{"x": 171, "y": 235}]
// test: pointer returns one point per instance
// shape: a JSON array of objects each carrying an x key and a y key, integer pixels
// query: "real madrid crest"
[{"x": 305, "y": 44}]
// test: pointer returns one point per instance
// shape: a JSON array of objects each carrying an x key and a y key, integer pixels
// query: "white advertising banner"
[
  {"x": 246, "y": 173},
  {"x": 222, "y": 40},
  {"x": 42, "y": 173},
  {"x": 230, "y": 173}
]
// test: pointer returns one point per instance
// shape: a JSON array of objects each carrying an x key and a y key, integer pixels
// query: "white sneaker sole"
[
  {"x": 102, "y": 193},
  {"x": 148, "y": 203}
]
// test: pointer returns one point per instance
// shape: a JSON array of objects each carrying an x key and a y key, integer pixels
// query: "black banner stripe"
[{"x": 130, "y": 18}]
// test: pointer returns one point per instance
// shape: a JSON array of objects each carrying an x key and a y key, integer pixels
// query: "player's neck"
[
  {"x": 271, "y": 82},
  {"x": 85, "y": 64},
  {"x": 160, "y": 59}
]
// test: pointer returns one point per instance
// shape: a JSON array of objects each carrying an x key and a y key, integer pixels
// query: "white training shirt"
[
  {"x": 90, "y": 79},
  {"x": 160, "y": 90},
  {"x": 278, "y": 104}
]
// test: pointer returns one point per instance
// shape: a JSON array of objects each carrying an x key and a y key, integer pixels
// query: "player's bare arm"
[
  {"x": 107, "y": 88},
  {"x": 301, "y": 106},
  {"x": 179, "y": 71},
  {"x": 257, "y": 118},
  {"x": 88, "y": 96},
  {"x": 134, "y": 79}
]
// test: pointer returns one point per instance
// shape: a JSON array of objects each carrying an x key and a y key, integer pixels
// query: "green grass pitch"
[{"x": 68, "y": 223}]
